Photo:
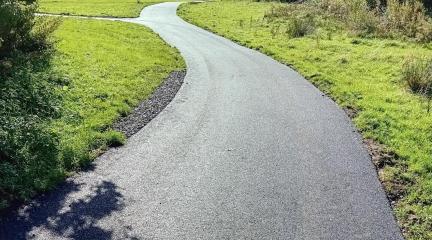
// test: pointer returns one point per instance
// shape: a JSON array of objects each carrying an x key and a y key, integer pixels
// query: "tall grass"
[
  {"x": 396, "y": 19},
  {"x": 417, "y": 74},
  {"x": 408, "y": 19},
  {"x": 301, "y": 26}
]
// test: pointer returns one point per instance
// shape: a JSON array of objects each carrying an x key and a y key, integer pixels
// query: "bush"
[
  {"x": 41, "y": 33},
  {"x": 408, "y": 19},
  {"x": 28, "y": 149},
  {"x": 417, "y": 74},
  {"x": 301, "y": 21},
  {"x": 362, "y": 21},
  {"x": 16, "y": 22},
  {"x": 20, "y": 30},
  {"x": 28, "y": 102},
  {"x": 300, "y": 26}
]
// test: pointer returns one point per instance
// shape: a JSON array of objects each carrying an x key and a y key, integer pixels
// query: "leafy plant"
[
  {"x": 16, "y": 23},
  {"x": 29, "y": 101},
  {"x": 417, "y": 73},
  {"x": 28, "y": 149},
  {"x": 300, "y": 26}
]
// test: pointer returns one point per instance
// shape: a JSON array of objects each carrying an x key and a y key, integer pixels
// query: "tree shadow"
[{"x": 78, "y": 220}]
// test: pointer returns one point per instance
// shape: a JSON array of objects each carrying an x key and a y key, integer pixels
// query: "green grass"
[
  {"x": 359, "y": 73},
  {"x": 57, "y": 106},
  {"x": 111, "y": 66},
  {"x": 112, "y": 8}
]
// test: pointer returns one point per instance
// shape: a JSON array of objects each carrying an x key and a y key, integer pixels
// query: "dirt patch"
[
  {"x": 390, "y": 168},
  {"x": 151, "y": 107},
  {"x": 351, "y": 112}
]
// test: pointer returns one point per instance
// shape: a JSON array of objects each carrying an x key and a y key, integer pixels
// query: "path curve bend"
[{"x": 248, "y": 149}]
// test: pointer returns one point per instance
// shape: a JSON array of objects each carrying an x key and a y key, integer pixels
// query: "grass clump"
[
  {"x": 417, "y": 73},
  {"x": 301, "y": 26},
  {"x": 361, "y": 70}
]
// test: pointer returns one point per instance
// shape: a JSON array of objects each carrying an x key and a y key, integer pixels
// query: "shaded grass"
[
  {"x": 359, "y": 73},
  {"x": 112, "y": 8}
]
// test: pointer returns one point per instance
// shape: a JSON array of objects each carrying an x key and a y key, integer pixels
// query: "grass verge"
[
  {"x": 111, "y": 8},
  {"x": 102, "y": 70},
  {"x": 362, "y": 74},
  {"x": 110, "y": 67}
]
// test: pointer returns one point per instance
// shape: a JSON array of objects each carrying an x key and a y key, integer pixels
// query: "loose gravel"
[{"x": 151, "y": 107}]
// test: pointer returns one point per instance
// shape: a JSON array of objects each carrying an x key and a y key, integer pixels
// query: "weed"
[
  {"x": 417, "y": 74},
  {"x": 275, "y": 30},
  {"x": 300, "y": 26},
  {"x": 116, "y": 139},
  {"x": 241, "y": 23}
]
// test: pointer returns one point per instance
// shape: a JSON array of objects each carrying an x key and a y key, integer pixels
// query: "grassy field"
[
  {"x": 97, "y": 71},
  {"x": 361, "y": 74},
  {"x": 112, "y": 8}
]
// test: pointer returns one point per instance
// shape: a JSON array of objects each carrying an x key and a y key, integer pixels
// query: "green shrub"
[
  {"x": 417, "y": 74},
  {"x": 300, "y": 21},
  {"x": 362, "y": 21},
  {"x": 42, "y": 31},
  {"x": 16, "y": 22},
  {"x": 28, "y": 149},
  {"x": 300, "y": 26},
  {"x": 28, "y": 102},
  {"x": 115, "y": 139}
]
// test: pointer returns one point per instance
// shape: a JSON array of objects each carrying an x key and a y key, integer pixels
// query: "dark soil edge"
[{"x": 152, "y": 106}]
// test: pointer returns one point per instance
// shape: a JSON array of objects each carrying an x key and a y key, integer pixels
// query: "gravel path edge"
[{"x": 152, "y": 106}]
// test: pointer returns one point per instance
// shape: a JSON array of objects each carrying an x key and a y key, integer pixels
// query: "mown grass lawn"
[
  {"x": 359, "y": 73},
  {"x": 109, "y": 67},
  {"x": 112, "y": 8}
]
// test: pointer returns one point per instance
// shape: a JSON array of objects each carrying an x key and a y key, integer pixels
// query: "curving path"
[{"x": 248, "y": 149}]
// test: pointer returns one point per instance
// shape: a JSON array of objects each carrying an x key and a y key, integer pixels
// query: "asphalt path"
[{"x": 248, "y": 149}]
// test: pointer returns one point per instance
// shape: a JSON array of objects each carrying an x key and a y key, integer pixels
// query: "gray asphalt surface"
[{"x": 248, "y": 149}]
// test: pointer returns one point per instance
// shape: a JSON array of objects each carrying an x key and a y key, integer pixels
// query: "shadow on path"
[{"x": 76, "y": 220}]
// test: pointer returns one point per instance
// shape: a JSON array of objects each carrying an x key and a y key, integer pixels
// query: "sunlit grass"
[
  {"x": 58, "y": 106},
  {"x": 113, "y": 8},
  {"x": 110, "y": 67},
  {"x": 363, "y": 74}
]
